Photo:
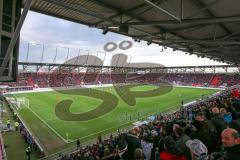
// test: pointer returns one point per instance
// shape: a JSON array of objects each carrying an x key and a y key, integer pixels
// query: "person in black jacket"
[
  {"x": 231, "y": 144},
  {"x": 127, "y": 145},
  {"x": 204, "y": 131},
  {"x": 218, "y": 121},
  {"x": 181, "y": 139}
]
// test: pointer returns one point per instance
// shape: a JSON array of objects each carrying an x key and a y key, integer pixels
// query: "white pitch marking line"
[{"x": 48, "y": 125}]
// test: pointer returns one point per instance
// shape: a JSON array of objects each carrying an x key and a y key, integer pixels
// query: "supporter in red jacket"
[{"x": 172, "y": 152}]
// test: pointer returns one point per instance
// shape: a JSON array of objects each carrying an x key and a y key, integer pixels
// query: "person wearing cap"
[
  {"x": 172, "y": 152},
  {"x": 146, "y": 147},
  {"x": 197, "y": 149}
]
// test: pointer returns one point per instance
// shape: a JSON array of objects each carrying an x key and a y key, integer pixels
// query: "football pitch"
[{"x": 55, "y": 134}]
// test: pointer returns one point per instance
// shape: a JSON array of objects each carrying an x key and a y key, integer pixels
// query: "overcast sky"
[{"x": 44, "y": 30}]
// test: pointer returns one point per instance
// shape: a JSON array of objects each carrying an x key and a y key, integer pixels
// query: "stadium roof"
[{"x": 209, "y": 28}]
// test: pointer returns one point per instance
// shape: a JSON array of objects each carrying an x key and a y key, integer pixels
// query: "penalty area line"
[{"x": 48, "y": 125}]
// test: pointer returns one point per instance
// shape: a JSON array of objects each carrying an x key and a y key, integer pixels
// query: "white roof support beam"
[{"x": 162, "y": 10}]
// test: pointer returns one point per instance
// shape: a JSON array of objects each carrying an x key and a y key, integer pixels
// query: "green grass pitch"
[{"x": 55, "y": 134}]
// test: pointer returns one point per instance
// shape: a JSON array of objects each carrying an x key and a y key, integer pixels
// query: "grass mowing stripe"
[
  {"x": 102, "y": 131},
  {"x": 48, "y": 125}
]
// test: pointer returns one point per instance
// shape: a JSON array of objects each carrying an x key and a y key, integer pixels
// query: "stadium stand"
[{"x": 43, "y": 80}]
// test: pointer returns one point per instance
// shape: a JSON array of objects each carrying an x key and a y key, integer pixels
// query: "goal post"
[
  {"x": 18, "y": 102},
  {"x": 22, "y": 102}
]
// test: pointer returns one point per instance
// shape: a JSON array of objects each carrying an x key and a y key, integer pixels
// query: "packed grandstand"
[
  {"x": 46, "y": 79},
  {"x": 197, "y": 131}
]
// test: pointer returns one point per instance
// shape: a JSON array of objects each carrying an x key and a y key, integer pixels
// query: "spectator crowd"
[{"x": 63, "y": 79}]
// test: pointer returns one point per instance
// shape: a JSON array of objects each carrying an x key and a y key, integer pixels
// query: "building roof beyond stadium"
[{"x": 210, "y": 28}]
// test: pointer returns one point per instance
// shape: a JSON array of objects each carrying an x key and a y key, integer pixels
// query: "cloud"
[{"x": 53, "y": 33}]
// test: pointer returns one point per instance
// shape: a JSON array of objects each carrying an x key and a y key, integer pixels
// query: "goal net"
[
  {"x": 22, "y": 102},
  {"x": 18, "y": 102}
]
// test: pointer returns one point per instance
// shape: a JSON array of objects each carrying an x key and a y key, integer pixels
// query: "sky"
[{"x": 49, "y": 39}]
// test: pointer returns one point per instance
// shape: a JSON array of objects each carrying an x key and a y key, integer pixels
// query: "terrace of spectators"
[{"x": 43, "y": 80}]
